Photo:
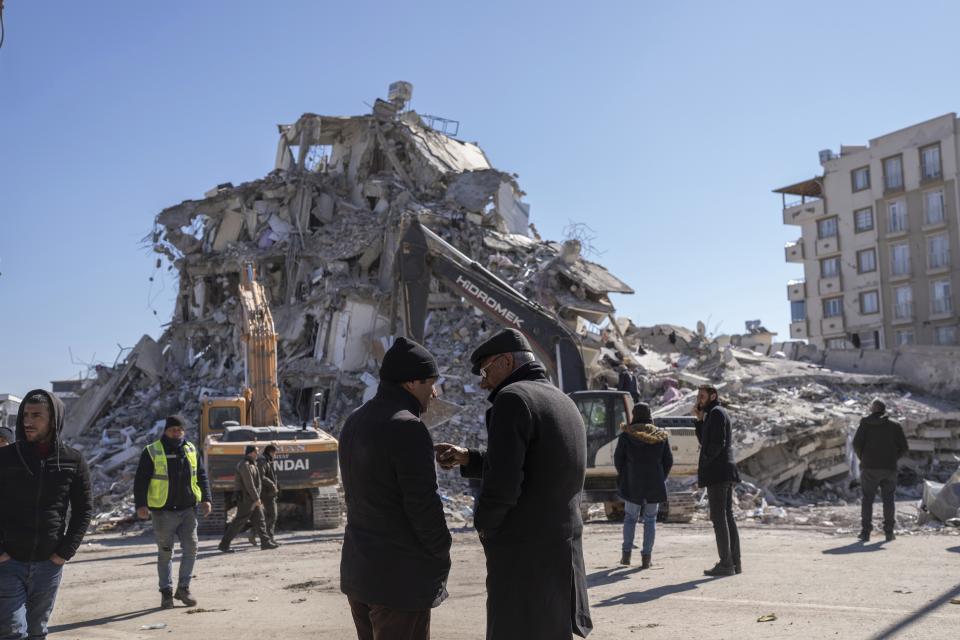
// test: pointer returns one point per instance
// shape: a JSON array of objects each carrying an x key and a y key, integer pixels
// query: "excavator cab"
[{"x": 215, "y": 412}]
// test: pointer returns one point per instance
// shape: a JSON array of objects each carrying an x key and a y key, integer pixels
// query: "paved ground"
[{"x": 818, "y": 586}]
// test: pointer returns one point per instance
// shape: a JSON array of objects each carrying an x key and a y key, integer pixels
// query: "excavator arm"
[
  {"x": 260, "y": 355},
  {"x": 423, "y": 254}
]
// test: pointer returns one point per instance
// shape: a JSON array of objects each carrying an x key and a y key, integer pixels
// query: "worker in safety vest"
[{"x": 170, "y": 483}]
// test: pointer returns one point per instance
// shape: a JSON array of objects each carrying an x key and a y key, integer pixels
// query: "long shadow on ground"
[
  {"x": 649, "y": 595},
  {"x": 96, "y": 622},
  {"x": 855, "y": 547}
]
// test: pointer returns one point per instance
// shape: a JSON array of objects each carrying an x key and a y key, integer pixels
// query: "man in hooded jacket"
[
  {"x": 528, "y": 512},
  {"x": 879, "y": 443},
  {"x": 40, "y": 479},
  {"x": 396, "y": 546},
  {"x": 643, "y": 461}
]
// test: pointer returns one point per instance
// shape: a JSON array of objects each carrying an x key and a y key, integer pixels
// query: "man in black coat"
[
  {"x": 879, "y": 443},
  {"x": 396, "y": 547},
  {"x": 40, "y": 479},
  {"x": 528, "y": 512},
  {"x": 717, "y": 471},
  {"x": 643, "y": 460}
]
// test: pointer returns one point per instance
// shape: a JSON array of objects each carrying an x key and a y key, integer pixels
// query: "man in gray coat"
[
  {"x": 528, "y": 512},
  {"x": 250, "y": 508}
]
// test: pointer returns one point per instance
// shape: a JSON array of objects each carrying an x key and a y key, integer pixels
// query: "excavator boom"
[
  {"x": 424, "y": 254},
  {"x": 260, "y": 356}
]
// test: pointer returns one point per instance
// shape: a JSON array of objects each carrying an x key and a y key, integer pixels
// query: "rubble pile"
[{"x": 323, "y": 230}]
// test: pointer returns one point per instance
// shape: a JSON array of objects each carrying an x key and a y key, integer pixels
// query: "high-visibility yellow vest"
[{"x": 159, "y": 487}]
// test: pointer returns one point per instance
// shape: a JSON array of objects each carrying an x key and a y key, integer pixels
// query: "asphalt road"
[{"x": 817, "y": 585}]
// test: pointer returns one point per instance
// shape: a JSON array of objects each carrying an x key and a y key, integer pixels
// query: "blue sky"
[{"x": 664, "y": 126}]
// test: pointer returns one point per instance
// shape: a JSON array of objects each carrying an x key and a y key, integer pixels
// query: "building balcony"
[
  {"x": 827, "y": 246},
  {"x": 829, "y": 286},
  {"x": 797, "y": 290},
  {"x": 797, "y": 213},
  {"x": 793, "y": 251},
  {"x": 831, "y": 326},
  {"x": 798, "y": 330}
]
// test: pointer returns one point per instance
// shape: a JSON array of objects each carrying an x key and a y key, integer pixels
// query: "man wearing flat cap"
[
  {"x": 528, "y": 512},
  {"x": 396, "y": 547}
]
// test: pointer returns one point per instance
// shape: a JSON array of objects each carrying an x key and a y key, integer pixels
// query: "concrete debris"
[{"x": 323, "y": 229}]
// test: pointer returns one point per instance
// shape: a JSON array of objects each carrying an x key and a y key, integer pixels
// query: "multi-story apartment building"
[{"x": 879, "y": 234}]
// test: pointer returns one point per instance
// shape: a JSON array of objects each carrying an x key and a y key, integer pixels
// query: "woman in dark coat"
[{"x": 643, "y": 460}]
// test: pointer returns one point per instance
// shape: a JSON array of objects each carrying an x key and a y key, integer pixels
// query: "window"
[
  {"x": 904, "y": 336},
  {"x": 866, "y": 261},
  {"x": 945, "y": 335},
  {"x": 903, "y": 303},
  {"x": 896, "y": 216},
  {"x": 798, "y": 311},
  {"x": 829, "y": 267},
  {"x": 938, "y": 251},
  {"x": 940, "y": 298},
  {"x": 836, "y": 343},
  {"x": 870, "y": 340},
  {"x": 893, "y": 174},
  {"x": 832, "y": 307},
  {"x": 863, "y": 220},
  {"x": 827, "y": 228},
  {"x": 933, "y": 207},
  {"x": 900, "y": 259},
  {"x": 930, "y": 162},
  {"x": 860, "y": 178},
  {"x": 869, "y": 302}
]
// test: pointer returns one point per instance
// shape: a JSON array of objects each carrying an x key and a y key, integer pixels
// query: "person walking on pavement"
[
  {"x": 41, "y": 478},
  {"x": 879, "y": 443},
  {"x": 246, "y": 484},
  {"x": 528, "y": 514},
  {"x": 269, "y": 495},
  {"x": 169, "y": 485},
  {"x": 643, "y": 461},
  {"x": 396, "y": 546},
  {"x": 717, "y": 471}
]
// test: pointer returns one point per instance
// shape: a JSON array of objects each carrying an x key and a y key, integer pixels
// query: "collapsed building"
[{"x": 323, "y": 229}]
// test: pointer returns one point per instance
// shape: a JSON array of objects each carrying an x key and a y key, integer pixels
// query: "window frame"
[
  {"x": 856, "y": 226},
  {"x": 933, "y": 297},
  {"x": 839, "y": 301},
  {"x": 926, "y": 209},
  {"x": 899, "y": 203},
  {"x": 923, "y": 174},
  {"x": 836, "y": 227},
  {"x": 899, "y": 333},
  {"x": 930, "y": 253},
  {"x": 853, "y": 178},
  {"x": 936, "y": 335},
  {"x": 876, "y": 308},
  {"x": 834, "y": 260},
  {"x": 860, "y": 269},
  {"x": 897, "y": 303},
  {"x": 803, "y": 304},
  {"x": 883, "y": 166},
  {"x": 893, "y": 272}
]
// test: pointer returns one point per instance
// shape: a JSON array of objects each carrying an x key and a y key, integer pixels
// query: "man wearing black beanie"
[{"x": 396, "y": 547}]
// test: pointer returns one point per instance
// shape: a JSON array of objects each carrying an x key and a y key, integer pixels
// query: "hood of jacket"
[
  {"x": 646, "y": 433},
  {"x": 56, "y": 416}
]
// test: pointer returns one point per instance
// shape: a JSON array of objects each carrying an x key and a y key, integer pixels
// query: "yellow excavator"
[{"x": 306, "y": 457}]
